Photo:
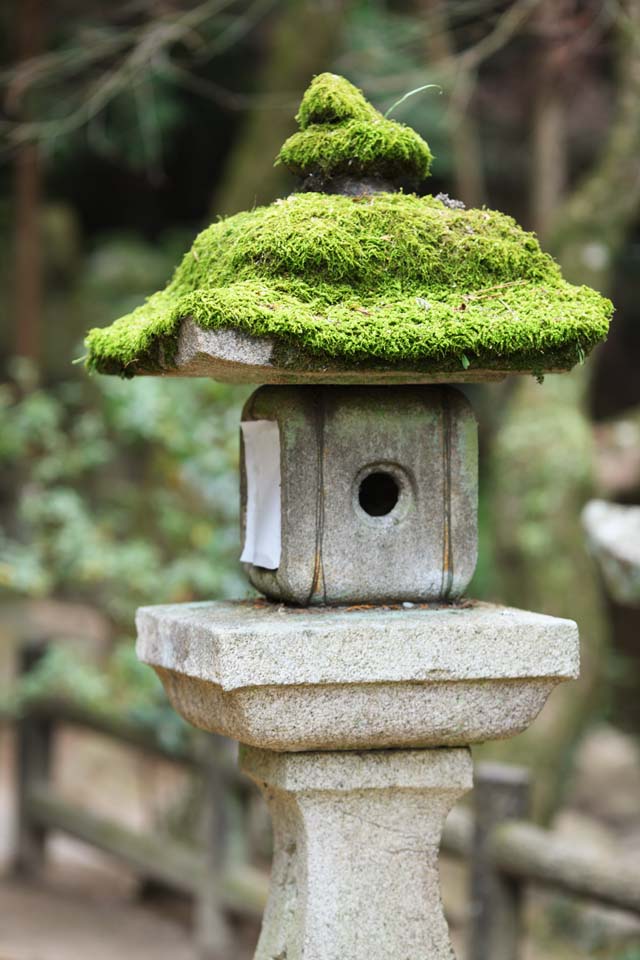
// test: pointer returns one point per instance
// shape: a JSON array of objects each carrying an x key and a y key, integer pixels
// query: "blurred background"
[{"x": 129, "y": 125}]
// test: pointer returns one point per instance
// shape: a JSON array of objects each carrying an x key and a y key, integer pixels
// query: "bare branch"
[
  {"x": 105, "y": 63},
  {"x": 505, "y": 29},
  {"x": 457, "y": 67}
]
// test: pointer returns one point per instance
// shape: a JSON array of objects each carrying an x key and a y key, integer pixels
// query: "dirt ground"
[{"x": 84, "y": 906}]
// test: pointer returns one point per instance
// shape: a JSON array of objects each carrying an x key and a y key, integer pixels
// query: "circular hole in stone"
[{"x": 378, "y": 493}]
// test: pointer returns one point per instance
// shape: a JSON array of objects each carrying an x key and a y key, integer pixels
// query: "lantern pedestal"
[
  {"x": 355, "y": 869},
  {"x": 339, "y": 710}
]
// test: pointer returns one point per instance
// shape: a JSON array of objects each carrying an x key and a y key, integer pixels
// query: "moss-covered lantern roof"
[{"x": 352, "y": 279}]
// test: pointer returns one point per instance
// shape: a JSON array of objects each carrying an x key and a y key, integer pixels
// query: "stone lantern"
[{"x": 356, "y": 689}]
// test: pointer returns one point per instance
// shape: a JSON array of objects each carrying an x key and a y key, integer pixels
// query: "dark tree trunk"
[
  {"x": 549, "y": 140},
  {"x": 28, "y": 189},
  {"x": 591, "y": 227}
]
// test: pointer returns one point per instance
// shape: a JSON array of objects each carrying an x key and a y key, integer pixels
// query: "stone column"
[{"x": 355, "y": 870}]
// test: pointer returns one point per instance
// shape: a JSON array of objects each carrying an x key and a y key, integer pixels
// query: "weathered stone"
[
  {"x": 232, "y": 356},
  {"x": 613, "y": 530},
  {"x": 378, "y": 493},
  {"x": 355, "y": 869},
  {"x": 334, "y": 678}
]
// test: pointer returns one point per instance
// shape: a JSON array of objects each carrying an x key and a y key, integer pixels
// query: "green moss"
[
  {"x": 358, "y": 148},
  {"x": 372, "y": 280},
  {"x": 384, "y": 279},
  {"x": 332, "y": 99},
  {"x": 342, "y": 134}
]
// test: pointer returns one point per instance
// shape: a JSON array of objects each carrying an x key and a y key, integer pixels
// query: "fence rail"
[
  {"x": 217, "y": 883},
  {"x": 505, "y": 852}
]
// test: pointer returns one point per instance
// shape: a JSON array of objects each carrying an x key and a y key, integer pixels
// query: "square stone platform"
[{"x": 297, "y": 679}]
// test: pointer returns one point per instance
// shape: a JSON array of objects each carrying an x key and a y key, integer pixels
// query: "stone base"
[{"x": 355, "y": 869}]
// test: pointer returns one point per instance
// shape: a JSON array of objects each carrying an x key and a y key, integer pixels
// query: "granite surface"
[
  {"x": 379, "y": 493},
  {"x": 292, "y": 679},
  {"x": 356, "y": 837}
]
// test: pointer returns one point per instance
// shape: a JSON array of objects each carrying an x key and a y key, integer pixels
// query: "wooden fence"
[{"x": 506, "y": 853}]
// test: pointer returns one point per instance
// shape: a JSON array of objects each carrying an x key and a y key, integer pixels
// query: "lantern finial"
[{"x": 343, "y": 137}]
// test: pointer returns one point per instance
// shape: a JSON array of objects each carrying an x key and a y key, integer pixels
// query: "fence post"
[
  {"x": 213, "y": 935},
  {"x": 33, "y": 761},
  {"x": 501, "y": 792}
]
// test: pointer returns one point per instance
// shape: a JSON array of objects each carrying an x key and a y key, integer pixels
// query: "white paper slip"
[{"x": 262, "y": 464}]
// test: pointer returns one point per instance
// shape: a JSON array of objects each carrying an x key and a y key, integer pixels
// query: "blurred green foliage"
[
  {"x": 125, "y": 494},
  {"x": 117, "y": 494},
  {"x": 541, "y": 477},
  {"x": 123, "y": 688}
]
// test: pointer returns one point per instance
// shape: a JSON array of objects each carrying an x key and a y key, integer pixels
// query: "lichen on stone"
[
  {"x": 389, "y": 279},
  {"x": 341, "y": 134}
]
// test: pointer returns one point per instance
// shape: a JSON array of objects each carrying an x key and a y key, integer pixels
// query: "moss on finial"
[
  {"x": 342, "y": 134},
  {"x": 332, "y": 99}
]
